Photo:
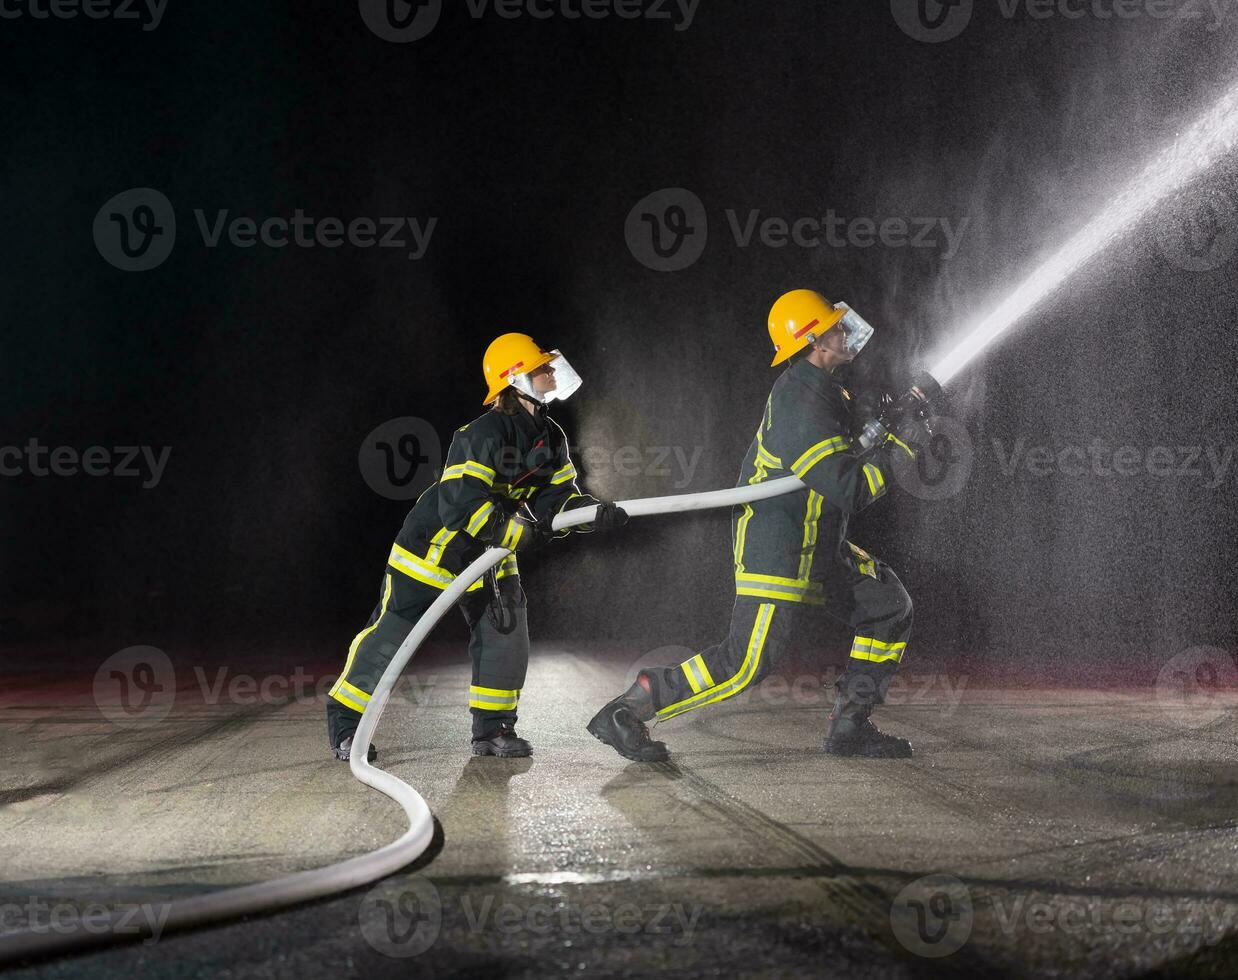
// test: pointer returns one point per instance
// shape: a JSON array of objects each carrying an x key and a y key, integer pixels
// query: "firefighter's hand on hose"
[
  {"x": 609, "y": 515},
  {"x": 913, "y": 435},
  {"x": 523, "y": 535}
]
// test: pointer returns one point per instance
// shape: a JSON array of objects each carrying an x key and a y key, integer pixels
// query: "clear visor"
[
  {"x": 855, "y": 328},
  {"x": 565, "y": 380}
]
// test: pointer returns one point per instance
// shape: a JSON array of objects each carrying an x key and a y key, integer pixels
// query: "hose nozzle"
[{"x": 917, "y": 402}]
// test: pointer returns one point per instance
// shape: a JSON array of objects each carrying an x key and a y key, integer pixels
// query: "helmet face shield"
[
  {"x": 566, "y": 381},
  {"x": 856, "y": 330}
]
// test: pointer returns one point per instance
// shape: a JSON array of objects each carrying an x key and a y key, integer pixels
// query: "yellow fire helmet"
[
  {"x": 802, "y": 316},
  {"x": 510, "y": 359}
]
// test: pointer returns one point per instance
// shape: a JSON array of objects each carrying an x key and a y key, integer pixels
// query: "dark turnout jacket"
[
  {"x": 786, "y": 547},
  {"x": 495, "y": 465}
]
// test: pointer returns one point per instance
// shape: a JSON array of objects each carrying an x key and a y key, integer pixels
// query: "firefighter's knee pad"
[{"x": 888, "y": 601}]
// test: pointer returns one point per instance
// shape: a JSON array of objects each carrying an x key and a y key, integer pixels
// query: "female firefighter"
[
  {"x": 508, "y": 473},
  {"x": 791, "y": 552}
]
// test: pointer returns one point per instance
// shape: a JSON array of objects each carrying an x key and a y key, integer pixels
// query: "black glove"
[
  {"x": 609, "y": 517},
  {"x": 529, "y": 535},
  {"x": 916, "y": 433}
]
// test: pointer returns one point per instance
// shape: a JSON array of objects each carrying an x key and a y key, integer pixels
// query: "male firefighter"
[{"x": 791, "y": 552}]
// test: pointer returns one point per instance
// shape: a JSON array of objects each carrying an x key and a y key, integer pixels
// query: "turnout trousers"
[
  {"x": 498, "y": 645},
  {"x": 866, "y": 594}
]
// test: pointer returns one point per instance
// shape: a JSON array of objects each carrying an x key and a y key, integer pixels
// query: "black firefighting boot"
[
  {"x": 342, "y": 723},
  {"x": 851, "y": 733},
  {"x": 503, "y": 742},
  {"x": 343, "y": 751},
  {"x": 621, "y": 724}
]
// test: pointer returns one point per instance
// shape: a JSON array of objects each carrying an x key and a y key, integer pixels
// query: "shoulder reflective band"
[{"x": 469, "y": 468}]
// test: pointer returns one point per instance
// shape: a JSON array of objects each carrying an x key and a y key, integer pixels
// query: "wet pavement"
[{"x": 1036, "y": 833}]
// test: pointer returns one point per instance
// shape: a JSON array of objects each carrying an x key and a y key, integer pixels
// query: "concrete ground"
[{"x": 1036, "y": 833}]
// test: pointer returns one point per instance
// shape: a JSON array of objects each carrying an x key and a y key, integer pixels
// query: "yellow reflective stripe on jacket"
[
  {"x": 817, "y": 453},
  {"x": 512, "y": 535},
  {"x": 770, "y": 460},
  {"x": 471, "y": 468},
  {"x": 877, "y": 651},
  {"x": 442, "y": 538},
  {"x": 776, "y": 587},
  {"x": 479, "y": 518},
  {"x": 513, "y": 492},
  {"x": 493, "y": 699},
  {"x": 403, "y": 560},
  {"x": 876, "y": 482},
  {"x": 347, "y": 694},
  {"x": 741, "y": 679},
  {"x": 563, "y": 475},
  {"x": 741, "y": 529},
  {"x": 812, "y": 514}
]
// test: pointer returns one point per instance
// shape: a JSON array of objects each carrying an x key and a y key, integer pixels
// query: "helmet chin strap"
[{"x": 529, "y": 398}]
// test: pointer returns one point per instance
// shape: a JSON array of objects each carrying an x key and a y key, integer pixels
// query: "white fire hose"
[{"x": 293, "y": 889}]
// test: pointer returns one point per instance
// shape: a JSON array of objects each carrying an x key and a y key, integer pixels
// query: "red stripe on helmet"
[
  {"x": 515, "y": 367},
  {"x": 803, "y": 330}
]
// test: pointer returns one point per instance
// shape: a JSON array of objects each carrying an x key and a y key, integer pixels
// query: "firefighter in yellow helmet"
[
  {"x": 792, "y": 553},
  {"x": 508, "y": 473}
]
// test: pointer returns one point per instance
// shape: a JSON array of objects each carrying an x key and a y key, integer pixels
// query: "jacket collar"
[
  {"x": 815, "y": 380},
  {"x": 533, "y": 423}
]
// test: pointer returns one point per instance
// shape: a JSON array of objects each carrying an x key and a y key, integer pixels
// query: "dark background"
[{"x": 530, "y": 141}]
